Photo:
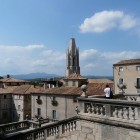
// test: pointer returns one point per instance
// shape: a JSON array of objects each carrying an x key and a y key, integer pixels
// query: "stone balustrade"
[
  {"x": 121, "y": 110},
  {"x": 41, "y": 133},
  {"x": 95, "y": 117},
  {"x": 132, "y": 97},
  {"x": 17, "y": 126}
]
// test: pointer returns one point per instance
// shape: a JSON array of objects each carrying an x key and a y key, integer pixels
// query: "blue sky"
[{"x": 34, "y": 34}]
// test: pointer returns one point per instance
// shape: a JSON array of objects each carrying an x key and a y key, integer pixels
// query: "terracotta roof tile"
[
  {"x": 26, "y": 89},
  {"x": 11, "y": 80},
  {"x": 7, "y": 89},
  {"x": 97, "y": 88},
  {"x": 92, "y": 89},
  {"x": 100, "y": 81},
  {"x": 128, "y": 62},
  {"x": 23, "y": 89}
]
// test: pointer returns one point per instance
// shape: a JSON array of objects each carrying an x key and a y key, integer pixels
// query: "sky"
[{"x": 35, "y": 34}]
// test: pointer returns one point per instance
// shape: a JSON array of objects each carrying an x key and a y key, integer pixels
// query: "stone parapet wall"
[{"x": 97, "y": 131}]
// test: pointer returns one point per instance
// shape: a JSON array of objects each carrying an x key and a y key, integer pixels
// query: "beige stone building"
[
  {"x": 59, "y": 103},
  {"x": 127, "y": 76},
  {"x": 15, "y": 99}
]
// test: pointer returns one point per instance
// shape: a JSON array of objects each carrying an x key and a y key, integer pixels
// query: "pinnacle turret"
[{"x": 72, "y": 58}]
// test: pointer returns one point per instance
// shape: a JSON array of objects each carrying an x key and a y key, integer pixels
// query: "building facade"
[
  {"x": 15, "y": 100},
  {"x": 53, "y": 106},
  {"x": 127, "y": 76},
  {"x": 72, "y": 58}
]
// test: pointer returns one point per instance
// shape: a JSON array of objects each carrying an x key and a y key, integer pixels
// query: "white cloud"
[
  {"x": 31, "y": 58},
  {"x": 106, "y": 20},
  {"x": 19, "y": 59},
  {"x": 100, "y": 63},
  {"x": 87, "y": 54},
  {"x": 33, "y": 47}
]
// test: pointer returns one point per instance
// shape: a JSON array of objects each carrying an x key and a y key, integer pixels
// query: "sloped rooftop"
[
  {"x": 128, "y": 62},
  {"x": 92, "y": 89},
  {"x": 100, "y": 81},
  {"x": 23, "y": 89},
  {"x": 8, "y": 80},
  {"x": 26, "y": 89}
]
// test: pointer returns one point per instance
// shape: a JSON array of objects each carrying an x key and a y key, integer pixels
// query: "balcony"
[
  {"x": 54, "y": 103},
  {"x": 121, "y": 86},
  {"x": 39, "y": 101}
]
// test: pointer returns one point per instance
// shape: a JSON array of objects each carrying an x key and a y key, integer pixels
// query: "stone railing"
[
  {"x": 49, "y": 130},
  {"x": 121, "y": 110},
  {"x": 17, "y": 126},
  {"x": 132, "y": 97}
]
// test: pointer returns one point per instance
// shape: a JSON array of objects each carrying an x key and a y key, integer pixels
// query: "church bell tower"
[{"x": 72, "y": 58}]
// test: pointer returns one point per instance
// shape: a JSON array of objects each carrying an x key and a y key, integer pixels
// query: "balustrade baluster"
[
  {"x": 122, "y": 113},
  {"x": 51, "y": 131},
  {"x": 97, "y": 110},
  {"x": 71, "y": 126},
  {"x": 102, "y": 110},
  {"x": 133, "y": 113},
  {"x": 74, "y": 125},
  {"x": 39, "y": 135},
  {"x": 88, "y": 109},
  {"x": 127, "y": 113},
  {"x": 42, "y": 134},
  {"x": 93, "y": 108},
  {"x": 116, "y": 112},
  {"x": 56, "y": 129},
  {"x": 65, "y": 127}
]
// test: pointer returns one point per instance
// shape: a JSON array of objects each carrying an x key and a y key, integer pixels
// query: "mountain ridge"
[{"x": 48, "y": 76}]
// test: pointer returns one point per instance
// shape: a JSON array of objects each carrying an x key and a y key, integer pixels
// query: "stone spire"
[{"x": 72, "y": 58}]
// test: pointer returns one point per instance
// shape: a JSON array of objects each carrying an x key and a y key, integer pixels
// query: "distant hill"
[
  {"x": 33, "y": 76},
  {"x": 48, "y": 76},
  {"x": 100, "y": 77}
]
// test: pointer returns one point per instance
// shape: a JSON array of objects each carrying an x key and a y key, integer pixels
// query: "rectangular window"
[
  {"x": 120, "y": 81},
  {"x": 4, "y": 96},
  {"x": 38, "y": 97},
  {"x": 138, "y": 90},
  {"x": 54, "y": 98},
  {"x": 138, "y": 82},
  {"x": 74, "y": 99},
  {"x": 53, "y": 114},
  {"x": 120, "y": 69},
  {"x": 19, "y": 116},
  {"x": 4, "y": 115},
  {"x": 137, "y": 68},
  {"x": 38, "y": 111}
]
